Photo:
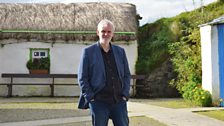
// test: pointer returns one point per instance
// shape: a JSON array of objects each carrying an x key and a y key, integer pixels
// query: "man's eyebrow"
[{"x": 106, "y": 30}]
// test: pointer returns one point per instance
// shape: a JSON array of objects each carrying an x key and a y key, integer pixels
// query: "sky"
[{"x": 149, "y": 10}]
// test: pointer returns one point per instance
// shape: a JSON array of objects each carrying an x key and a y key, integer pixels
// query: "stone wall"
[{"x": 157, "y": 83}]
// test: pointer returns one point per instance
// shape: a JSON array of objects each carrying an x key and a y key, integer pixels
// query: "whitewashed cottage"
[{"x": 59, "y": 32}]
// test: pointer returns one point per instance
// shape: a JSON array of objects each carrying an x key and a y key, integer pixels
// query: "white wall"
[
  {"x": 64, "y": 59},
  {"x": 210, "y": 63},
  {"x": 131, "y": 50}
]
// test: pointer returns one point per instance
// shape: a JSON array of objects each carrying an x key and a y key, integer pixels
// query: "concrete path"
[
  {"x": 175, "y": 117},
  {"x": 170, "y": 117}
]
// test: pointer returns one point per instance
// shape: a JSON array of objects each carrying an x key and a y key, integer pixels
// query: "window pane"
[
  {"x": 36, "y": 53},
  {"x": 42, "y": 53}
]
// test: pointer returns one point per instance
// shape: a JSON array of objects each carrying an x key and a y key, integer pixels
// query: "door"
[{"x": 221, "y": 61}]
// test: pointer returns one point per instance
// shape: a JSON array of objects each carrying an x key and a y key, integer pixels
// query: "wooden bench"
[
  {"x": 134, "y": 79},
  {"x": 52, "y": 84}
]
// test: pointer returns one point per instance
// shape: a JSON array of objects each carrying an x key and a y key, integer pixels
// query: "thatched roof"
[{"x": 64, "y": 17}]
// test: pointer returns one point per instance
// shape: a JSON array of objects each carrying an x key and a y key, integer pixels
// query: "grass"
[
  {"x": 181, "y": 103},
  {"x": 20, "y": 109},
  {"x": 168, "y": 103},
  {"x": 144, "y": 121},
  {"x": 38, "y": 105},
  {"x": 62, "y": 108},
  {"x": 218, "y": 114},
  {"x": 72, "y": 103},
  {"x": 134, "y": 121}
]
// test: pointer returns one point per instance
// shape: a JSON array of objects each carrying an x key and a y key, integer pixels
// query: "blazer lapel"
[
  {"x": 115, "y": 51},
  {"x": 100, "y": 57}
]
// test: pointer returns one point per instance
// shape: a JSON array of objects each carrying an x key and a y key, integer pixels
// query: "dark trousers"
[{"x": 102, "y": 112}]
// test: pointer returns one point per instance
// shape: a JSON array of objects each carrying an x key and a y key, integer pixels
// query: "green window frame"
[{"x": 39, "y": 53}]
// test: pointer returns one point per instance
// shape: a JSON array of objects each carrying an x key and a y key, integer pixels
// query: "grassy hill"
[
  {"x": 154, "y": 38},
  {"x": 176, "y": 39}
]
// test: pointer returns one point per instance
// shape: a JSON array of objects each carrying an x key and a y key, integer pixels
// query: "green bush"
[
  {"x": 153, "y": 47},
  {"x": 194, "y": 93},
  {"x": 187, "y": 90},
  {"x": 35, "y": 64}
]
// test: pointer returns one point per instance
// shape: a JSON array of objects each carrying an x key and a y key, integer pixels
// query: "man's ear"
[{"x": 97, "y": 32}]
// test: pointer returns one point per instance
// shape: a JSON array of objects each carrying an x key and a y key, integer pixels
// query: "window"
[
  {"x": 39, "y": 59},
  {"x": 39, "y": 53}
]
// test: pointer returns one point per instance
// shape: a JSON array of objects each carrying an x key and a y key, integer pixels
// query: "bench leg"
[
  {"x": 52, "y": 88},
  {"x": 9, "y": 90},
  {"x": 134, "y": 87}
]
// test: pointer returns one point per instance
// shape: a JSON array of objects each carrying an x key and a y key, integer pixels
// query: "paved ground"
[{"x": 170, "y": 117}]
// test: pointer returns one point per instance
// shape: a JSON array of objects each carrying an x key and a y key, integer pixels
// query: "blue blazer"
[{"x": 91, "y": 74}]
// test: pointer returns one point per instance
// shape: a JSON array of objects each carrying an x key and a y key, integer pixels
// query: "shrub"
[
  {"x": 194, "y": 93},
  {"x": 42, "y": 63},
  {"x": 202, "y": 97},
  {"x": 187, "y": 90}
]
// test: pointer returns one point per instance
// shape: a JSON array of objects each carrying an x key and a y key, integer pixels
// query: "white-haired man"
[{"x": 104, "y": 79}]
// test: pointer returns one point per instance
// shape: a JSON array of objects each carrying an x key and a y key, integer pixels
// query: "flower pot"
[{"x": 40, "y": 71}]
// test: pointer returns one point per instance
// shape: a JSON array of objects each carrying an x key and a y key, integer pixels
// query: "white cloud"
[
  {"x": 153, "y": 10},
  {"x": 150, "y": 10}
]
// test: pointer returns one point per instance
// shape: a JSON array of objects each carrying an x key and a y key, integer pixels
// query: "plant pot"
[{"x": 40, "y": 71}]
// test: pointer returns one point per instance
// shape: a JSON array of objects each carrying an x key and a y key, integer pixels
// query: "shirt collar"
[{"x": 101, "y": 48}]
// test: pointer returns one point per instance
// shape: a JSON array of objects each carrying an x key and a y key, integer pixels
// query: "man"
[{"x": 104, "y": 79}]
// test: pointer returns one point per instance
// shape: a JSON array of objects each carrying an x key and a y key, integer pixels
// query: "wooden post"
[
  {"x": 134, "y": 87},
  {"x": 52, "y": 88},
  {"x": 10, "y": 88}
]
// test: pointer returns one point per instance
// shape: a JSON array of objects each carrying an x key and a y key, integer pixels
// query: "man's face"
[{"x": 105, "y": 33}]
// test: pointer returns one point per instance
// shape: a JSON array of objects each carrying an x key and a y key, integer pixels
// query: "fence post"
[
  {"x": 52, "y": 87},
  {"x": 10, "y": 88}
]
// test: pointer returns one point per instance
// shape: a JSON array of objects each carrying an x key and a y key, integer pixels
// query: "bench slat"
[
  {"x": 14, "y": 84},
  {"x": 16, "y": 75},
  {"x": 138, "y": 77}
]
